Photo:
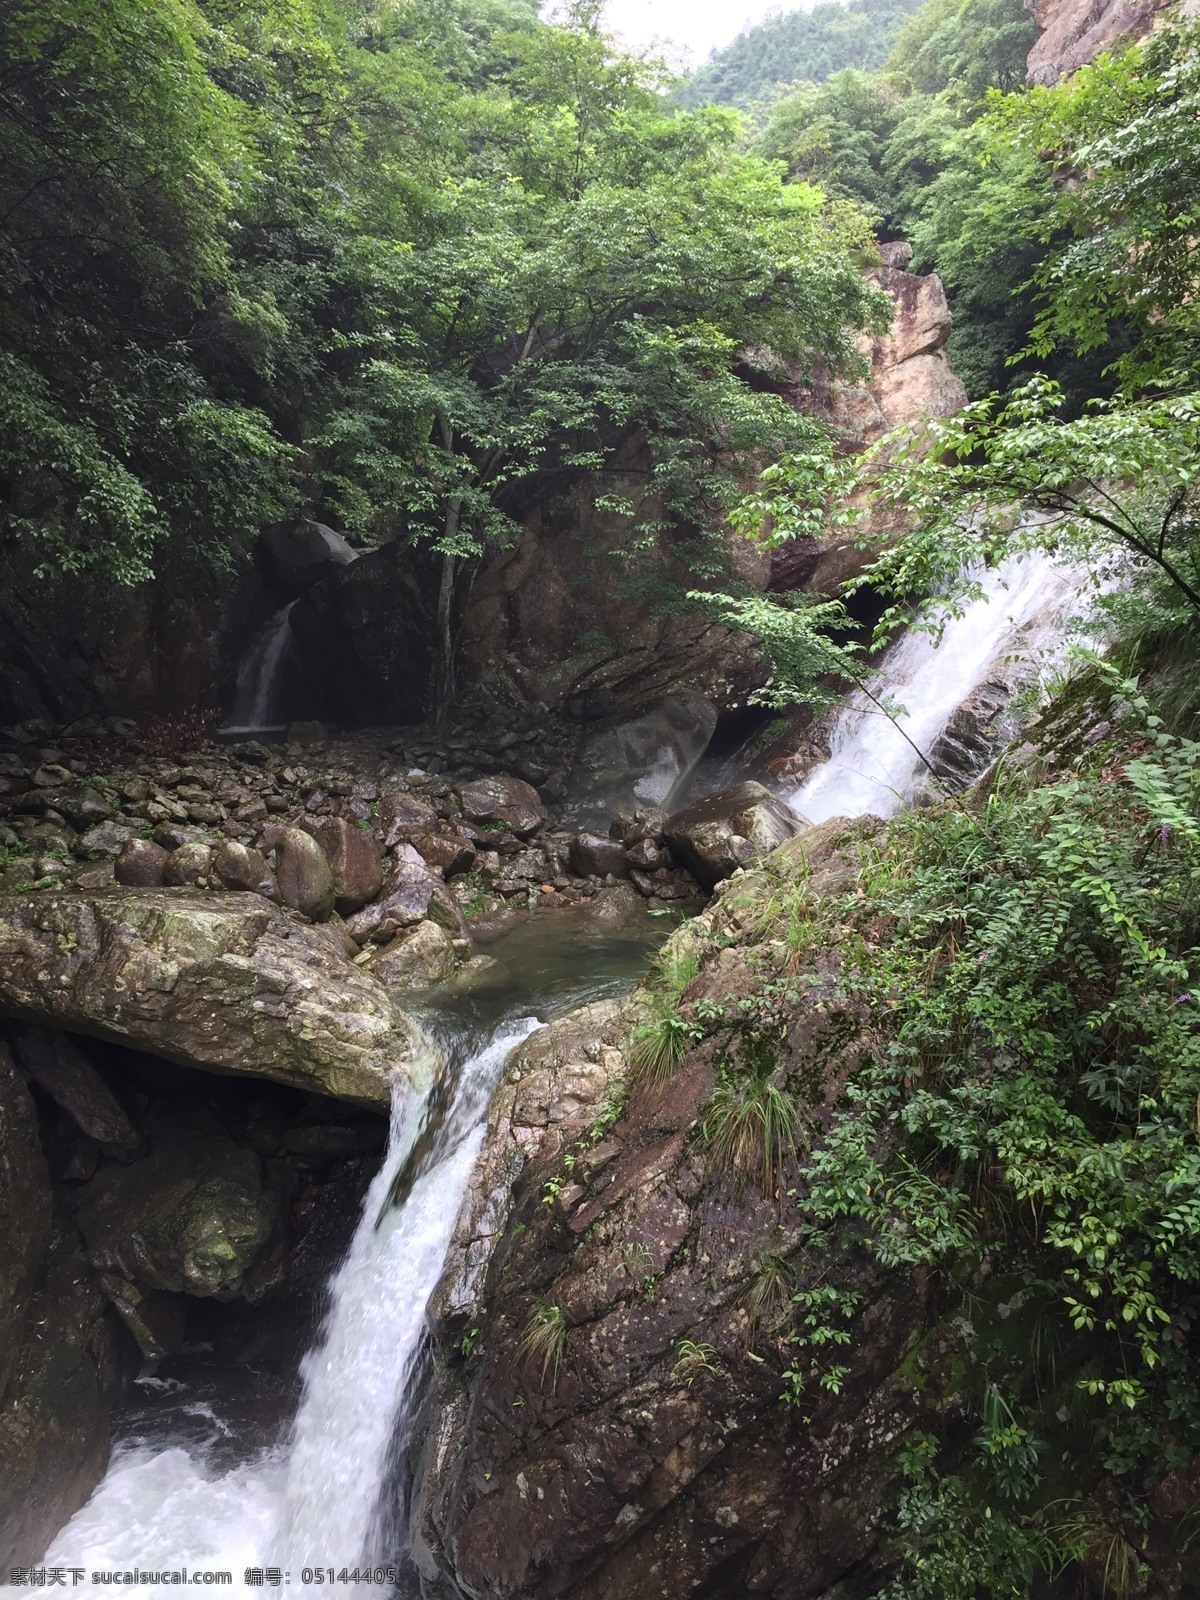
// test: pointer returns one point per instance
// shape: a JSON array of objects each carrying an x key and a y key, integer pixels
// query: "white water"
[
  {"x": 873, "y": 765},
  {"x": 255, "y": 702},
  {"x": 317, "y": 1500}
]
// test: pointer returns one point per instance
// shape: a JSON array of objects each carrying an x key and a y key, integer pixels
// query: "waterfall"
[
  {"x": 318, "y": 1499},
  {"x": 256, "y": 702},
  {"x": 875, "y": 762}
]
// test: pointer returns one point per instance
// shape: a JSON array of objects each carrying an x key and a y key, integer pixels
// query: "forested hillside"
[
  {"x": 403, "y": 267},
  {"x": 809, "y": 44}
]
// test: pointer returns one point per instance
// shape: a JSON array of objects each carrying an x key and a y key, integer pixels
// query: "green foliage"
[
  {"x": 753, "y": 1128},
  {"x": 801, "y": 44},
  {"x": 1029, "y": 1097},
  {"x": 692, "y": 1360},
  {"x": 658, "y": 1045}
]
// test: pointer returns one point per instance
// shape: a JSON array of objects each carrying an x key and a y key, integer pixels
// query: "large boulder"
[
  {"x": 193, "y": 1217},
  {"x": 295, "y": 555},
  {"x": 354, "y": 859},
  {"x": 511, "y": 802},
  {"x": 415, "y": 960},
  {"x": 224, "y": 982},
  {"x": 306, "y": 880},
  {"x": 646, "y": 761},
  {"x": 729, "y": 830}
]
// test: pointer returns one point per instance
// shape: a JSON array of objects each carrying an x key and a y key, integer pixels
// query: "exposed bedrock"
[
  {"x": 1074, "y": 32},
  {"x": 224, "y": 982},
  {"x": 639, "y": 1448}
]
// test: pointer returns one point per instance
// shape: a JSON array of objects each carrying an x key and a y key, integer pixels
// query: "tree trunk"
[{"x": 443, "y": 681}]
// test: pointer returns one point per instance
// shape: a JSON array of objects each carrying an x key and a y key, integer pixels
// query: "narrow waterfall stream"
[
  {"x": 875, "y": 761},
  {"x": 256, "y": 703},
  {"x": 320, "y": 1497}
]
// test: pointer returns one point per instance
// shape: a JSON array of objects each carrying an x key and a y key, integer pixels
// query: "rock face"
[
  {"x": 213, "y": 981},
  {"x": 647, "y": 761},
  {"x": 728, "y": 830},
  {"x": 911, "y": 377},
  {"x": 294, "y": 556},
  {"x": 651, "y": 1458},
  {"x": 58, "y": 1369},
  {"x": 509, "y": 801},
  {"x": 195, "y": 1217},
  {"x": 1075, "y": 31}
]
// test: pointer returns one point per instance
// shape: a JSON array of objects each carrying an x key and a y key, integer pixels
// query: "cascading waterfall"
[
  {"x": 317, "y": 1500},
  {"x": 875, "y": 761},
  {"x": 256, "y": 701}
]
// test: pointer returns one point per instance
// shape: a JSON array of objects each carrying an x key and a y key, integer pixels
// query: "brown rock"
[
  {"x": 403, "y": 816},
  {"x": 727, "y": 830},
  {"x": 141, "y": 864},
  {"x": 354, "y": 859},
  {"x": 510, "y": 801},
  {"x": 305, "y": 876},
  {"x": 448, "y": 853},
  {"x": 590, "y": 854}
]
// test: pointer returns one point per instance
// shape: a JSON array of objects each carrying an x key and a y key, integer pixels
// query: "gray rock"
[
  {"x": 591, "y": 854},
  {"x": 105, "y": 839},
  {"x": 239, "y": 867},
  {"x": 295, "y": 555},
  {"x": 403, "y": 816},
  {"x": 195, "y": 1216},
  {"x": 224, "y": 982},
  {"x": 510, "y": 801},
  {"x": 727, "y": 830},
  {"x": 59, "y": 1067},
  {"x": 188, "y": 864},
  {"x": 415, "y": 960},
  {"x": 305, "y": 876},
  {"x": 141, "y": 864},
  {"x": 81, "y": 807}
]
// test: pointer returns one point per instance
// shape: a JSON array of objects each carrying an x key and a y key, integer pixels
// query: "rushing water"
[
  {"x": 178, "y": 1496},
  {"x": 256, "y": 703},
  {"x": 875, "y": 762}
]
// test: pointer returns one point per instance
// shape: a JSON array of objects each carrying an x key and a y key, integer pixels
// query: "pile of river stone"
[{"x": 398, "y": 861}]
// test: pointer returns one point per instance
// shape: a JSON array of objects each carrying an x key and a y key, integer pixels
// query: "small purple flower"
[{"x": 1164, "y": 833}]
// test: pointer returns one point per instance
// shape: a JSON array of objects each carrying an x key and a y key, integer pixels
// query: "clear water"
[{"x": 256, "y": 702}]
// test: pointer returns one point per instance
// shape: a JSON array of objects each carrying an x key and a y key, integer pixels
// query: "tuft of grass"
[
  {"x": 752, "y": 1128},
  {"x": 768, "y": 1297},
  {"x": 692, "y": 1359},
  {"x": 544, "y": 1342},
  {"x": 674, "y": 967},
  {"x": 658, "y": 1045}
]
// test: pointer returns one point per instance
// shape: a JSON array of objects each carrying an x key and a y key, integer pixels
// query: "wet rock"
[
  {"x": 195, "y": 1216},
  {"x": 82, "y": 808},
  {"x": 222, "y": 982},
  {"x": 646, "y": 761},
  {"x": 648, "y": 856},
  {"x": 403, "y": 816},
  {"x": 354, "y": 859},
  {"x": 58, "y": 1066},
  {"x": 239, "y": 867},
  {"x": 105, "y": 839},
  {"x": 510, "y": 801},
  {"x": 448, "y": 853},
  {"x": 156, "y": 1320},
  {"x": 24, "y": 1211},
  {"x": 188, "y": 864},
  {"x": 293, "y": 556},
  {"x": 141, "y": 864},
  {"x": 304, "y": 875},
  {"x": 728, "y": 830},
  {"x": 592, "y": 855},
  {"x": 55, "y": 1418},
  {"x": 415, "y": 960}
]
